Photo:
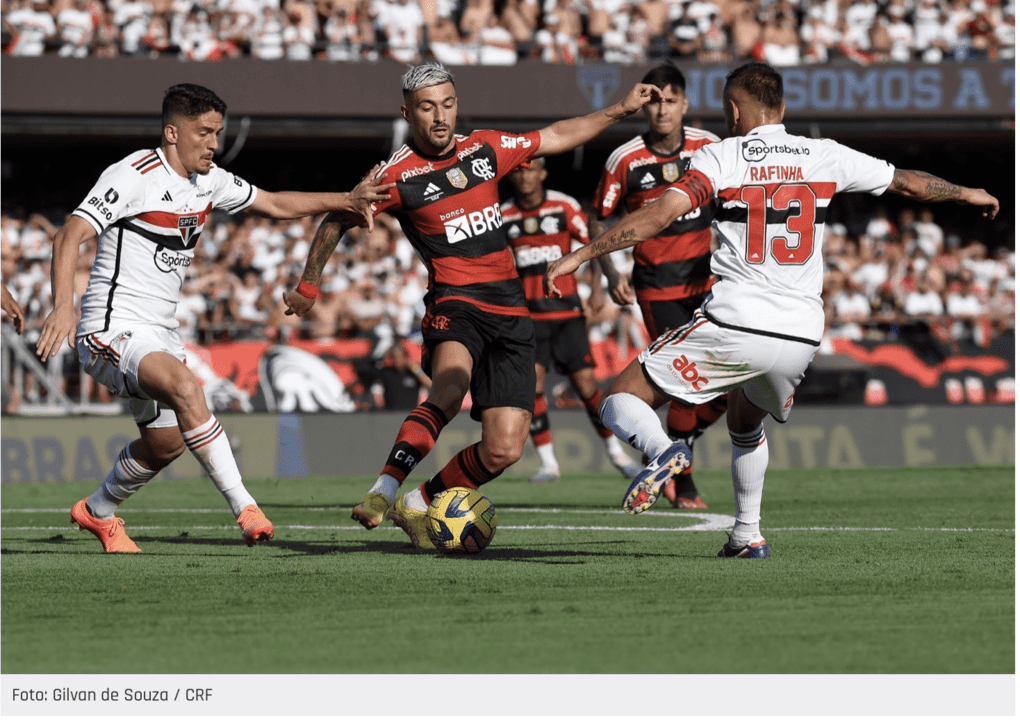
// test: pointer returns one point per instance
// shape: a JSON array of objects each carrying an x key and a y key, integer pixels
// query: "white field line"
[{"x": 713, "y": 522}]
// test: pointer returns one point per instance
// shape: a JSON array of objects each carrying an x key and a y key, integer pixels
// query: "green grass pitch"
[{"x": 873, "y": 571}]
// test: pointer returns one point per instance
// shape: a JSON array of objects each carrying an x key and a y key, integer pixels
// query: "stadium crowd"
[
  {"x": 501, "y": 32},
  {"x": 901, "y": 278}
]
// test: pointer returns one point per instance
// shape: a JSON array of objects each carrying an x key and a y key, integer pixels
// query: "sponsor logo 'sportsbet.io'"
[{"x": 757, "y": 149}]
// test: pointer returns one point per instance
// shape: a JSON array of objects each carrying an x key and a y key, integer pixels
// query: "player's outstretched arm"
[
  {"x": 300, "y": 300},
  {"x": 13, "y": 310},
  {"x": 568, "y": 134},
  {"x": 60, "y": 323},
  {"x": 919, "y": 185},
  {"x": 290, "y": 205},
  {"x": 636, "y": 227}
]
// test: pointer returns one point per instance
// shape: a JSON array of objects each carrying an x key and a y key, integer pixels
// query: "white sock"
[
  {"x": 386, "y": 485},
  {"x": 211, "y": 446},
  {"x": 124, "y": 480},
  {"x": 750, "y": 459},
  {"x": 614, "y": 448},
  {"x": 415, "y": 500},
  {"x": 633, "y": 420},
  {"x": 547, "y": 456}
]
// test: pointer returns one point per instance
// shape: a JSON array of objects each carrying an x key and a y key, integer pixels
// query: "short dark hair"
[
  {"x": 664, "y": 76},
  {"x": 760, "y": 81},
  {"x": 189, "y": 101}
]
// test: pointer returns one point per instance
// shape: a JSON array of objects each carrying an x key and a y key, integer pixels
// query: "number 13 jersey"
[{"x": 774, "y": 191}]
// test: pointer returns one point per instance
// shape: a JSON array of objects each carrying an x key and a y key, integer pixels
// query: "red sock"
[
  {"x": 464, "y": 470},
  {"x": 540, "y": 431},
  {"x": 592, "y": 406},
  {"x": 415, "y": 439}
]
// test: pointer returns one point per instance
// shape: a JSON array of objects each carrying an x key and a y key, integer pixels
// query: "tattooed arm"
[
  {"x": 919, "y": 185},
  {"x": 300, "y": 299},
  {"x": 636, "y": 227}
]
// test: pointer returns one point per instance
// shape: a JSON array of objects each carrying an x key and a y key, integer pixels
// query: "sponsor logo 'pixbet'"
[
  {"x": 415, "y": 172},
  {"x": 689, "y": 372},
  {"x": 473, "y": 224},
  {"x": 757, "y": 149}
]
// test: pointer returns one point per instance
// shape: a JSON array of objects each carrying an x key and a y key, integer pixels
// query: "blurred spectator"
[
  {"x": 404, "y": 26},
  {"x": 396, "y": 382},
  {"x": 267, "y": 41},
  {"x": 818, "y": 36},
  {"x": 1005, "y": 33},
  {"x": 496, "y": 45},
  {"x": 445, "y": 43},
  {"x": 132, "y": 16},
  {"x": 924, "y": 303},
  {"x": 656, "y": 14},
  {"x": 75, "y": 27},
  {"x": 106, "y": 39},
  {"x": 31, "y": 26},
  {"x": 157, "y": 37},
  {"x": 559, "y": 40},
  {"x": 298, "y": 35},
  {"x": 746, "y": 32},
  {"x": 851, "y": 309},
  {"x": 685, "y": 38},
  {"x": 780, "y": 43},
  {"x": 715, "y": 42}
]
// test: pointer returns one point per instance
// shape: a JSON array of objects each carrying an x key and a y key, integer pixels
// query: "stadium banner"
[
  {"x": 317, "y": 376},
  {"x": 530, "y": 89},
  {"x": 78, "y": 449}
]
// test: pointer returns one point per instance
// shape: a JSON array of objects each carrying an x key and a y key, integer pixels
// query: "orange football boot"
[{"x": 110, "y": 532}]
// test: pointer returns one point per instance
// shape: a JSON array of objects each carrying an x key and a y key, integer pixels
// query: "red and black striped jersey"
[
  {"x": 539, "y": 236},
  {"x": 448, "y": 206},
  {"x": 675, "y": 264}
]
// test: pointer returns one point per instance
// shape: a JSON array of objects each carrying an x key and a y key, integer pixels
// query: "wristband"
[{"x": 308, "y": 290}]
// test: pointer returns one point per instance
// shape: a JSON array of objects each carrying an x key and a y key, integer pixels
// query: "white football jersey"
[
  {"x": 774, "y": 190},
  {"x": 149, "y": 219}
]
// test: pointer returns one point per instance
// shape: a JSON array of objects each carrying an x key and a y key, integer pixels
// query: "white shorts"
[
  {"x": 112, "y": 358},
  {"x": 702, "y": 361}
]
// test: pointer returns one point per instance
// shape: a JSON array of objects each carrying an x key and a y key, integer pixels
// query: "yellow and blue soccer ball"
[{"x": 461, "y": 520}]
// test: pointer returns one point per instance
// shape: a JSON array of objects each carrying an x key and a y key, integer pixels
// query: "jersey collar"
[{"x": 767, "y": 130}]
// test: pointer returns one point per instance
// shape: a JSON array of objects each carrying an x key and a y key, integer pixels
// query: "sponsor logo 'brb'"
[{"x": 473, "y": 224}]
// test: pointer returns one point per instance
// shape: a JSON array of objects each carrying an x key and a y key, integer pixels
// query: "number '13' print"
[{"x": 792, "y": 248}]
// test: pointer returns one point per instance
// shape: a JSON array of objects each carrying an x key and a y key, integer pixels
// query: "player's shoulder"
[
  {"x": 562, "y": 198},
  {"x": 508, "y": 207},
  {"x": 700, "y": 136},
  {"x": 632, "y": 146},
  {"x": 141, "y": 166}
]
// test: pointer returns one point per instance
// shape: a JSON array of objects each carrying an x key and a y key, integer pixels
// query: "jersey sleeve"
[
  {"x": 862, "y": 173},
  {"x": 117, "y": 194},
  {"x": 701, "y": 179},
  {"x": 232, "y": 193},
  {"x": 611, "y": 190},
  {"x": 577, "y": 223},
  {"x": 512, "y": 150}
]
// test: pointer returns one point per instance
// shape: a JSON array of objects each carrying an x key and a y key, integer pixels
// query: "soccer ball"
[{"x": 461, "y": 520}]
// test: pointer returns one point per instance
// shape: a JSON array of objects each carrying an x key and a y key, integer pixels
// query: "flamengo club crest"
[
  {"x": 530, "y": 225},
  {"x": 457, "y": 178},
  {"x": 670, "y": 172}
]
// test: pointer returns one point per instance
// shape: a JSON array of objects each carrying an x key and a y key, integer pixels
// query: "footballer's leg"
[
  {"x": 584, "y": 383},
  {"x": 164, "y": 378},
  {"x": 629, "y": 411},
  {"x": 450, "y": 364},
  {"x": 750, "y": 460},
  {"x": 541, "y": 433}
]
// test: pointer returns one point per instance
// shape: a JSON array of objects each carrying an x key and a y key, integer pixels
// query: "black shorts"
[
  {"x": 563, "y": 345},
  {"x": 502, "y": 349},
  {"x": 661, "y": 316}
]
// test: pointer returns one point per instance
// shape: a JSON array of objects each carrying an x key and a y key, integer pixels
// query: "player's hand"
[
  {"x": 297, "y": 304},
  {"x": 561, "y": 266},
  {"x": 13, "y": 310},
  {"x": 988, "y": 204},
  {"x": 639, "y": 96},
  {"x": 370, "y": 190},
  {"x": 622, "y": 293},
  {"x": 58, "y": 327}
]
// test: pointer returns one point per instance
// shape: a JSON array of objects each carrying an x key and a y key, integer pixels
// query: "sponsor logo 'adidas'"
[
  {"x": 648, "y": 180},
  {"x": 166, "y": 197}
]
